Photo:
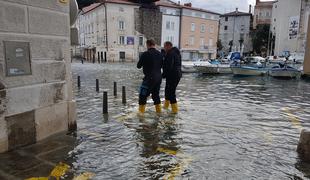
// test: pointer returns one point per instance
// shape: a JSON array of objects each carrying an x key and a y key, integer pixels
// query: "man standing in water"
[
  {"x": 172, "y": 73},
  {"x": 151, "y": 61}
]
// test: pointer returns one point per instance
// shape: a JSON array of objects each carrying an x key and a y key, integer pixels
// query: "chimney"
[
  {"x": 257, "y": 2},
  {"x": 179, "y": 2},
  {"x": 236, "y": 9},
  {"x": 188, "y": 4},
  {"x": 250, "y": 8}
]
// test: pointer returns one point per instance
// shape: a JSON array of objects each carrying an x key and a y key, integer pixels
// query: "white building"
[
  {"x": 236, "y": 26},
  {"x": 171, "y": 13},
  {"x": 107, "y": 32},
  {"x": 285, "y": 26}
]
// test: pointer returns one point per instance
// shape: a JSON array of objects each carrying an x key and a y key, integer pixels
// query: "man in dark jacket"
[
  {"x": 151, "y": 61},
  {"x": 172, "y": 73}
]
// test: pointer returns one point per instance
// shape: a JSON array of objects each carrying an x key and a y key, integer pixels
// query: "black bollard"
[
  {"x": 97, "y": 85},
  {"x": 124, "y": 95},
  {"x": 115, "y": 89},
  {"x": 105, "y": 103},
  {"x": 79, "y": 81},
  {"x": 82, "y": 61}
]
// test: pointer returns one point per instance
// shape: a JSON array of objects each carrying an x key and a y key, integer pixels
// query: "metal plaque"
[{"x": 17, "y": 58}]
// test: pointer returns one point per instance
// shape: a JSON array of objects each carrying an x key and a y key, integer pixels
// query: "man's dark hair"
[
  {"x": 168, "y": 43},
  {"x": 150, "y": 42}
]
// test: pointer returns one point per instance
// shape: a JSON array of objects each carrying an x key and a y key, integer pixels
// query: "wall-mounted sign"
[
  {"x": 293, "y": 27},
  {"x": 17, "y": 58},
  {"x": 130, "y": 40}
]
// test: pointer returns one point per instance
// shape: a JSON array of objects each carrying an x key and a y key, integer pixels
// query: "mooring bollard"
[
  {"x": 124, "y": 95},
  {"x": 97, "y": 85},
  {"x": 115, "y": 89},
  {"x": 79, "y": 81},
  {"x": 82, "y": 61},
  {"x": 304, "y": 145},
  {"x": 105, "y": 102}
]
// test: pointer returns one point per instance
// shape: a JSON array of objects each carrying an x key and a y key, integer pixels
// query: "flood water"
[{"x": 227, "y": 128}]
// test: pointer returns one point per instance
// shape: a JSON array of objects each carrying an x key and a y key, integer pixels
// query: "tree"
[
  {"x": 84, "y": 3},
  {"x": 219, "y": 45},
  {"x": 241, "y": 41},
  {"x": 231, "y": 43},
  {"x": 260, "y": 38}
]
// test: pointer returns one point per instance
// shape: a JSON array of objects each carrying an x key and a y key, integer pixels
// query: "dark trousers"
[
  {"x": 170, "y": 89},
  {"x": 149, "y": 88}
]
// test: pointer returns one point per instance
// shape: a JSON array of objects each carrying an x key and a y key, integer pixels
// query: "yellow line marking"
[
  {"x": 59, "y": 171},
  {"x": 293, "y": 118},
  {"x": 167, "y": 151},
  {"x": 84, "y": 176}
]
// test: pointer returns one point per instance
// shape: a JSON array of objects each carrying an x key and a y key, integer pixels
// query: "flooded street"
[{"x": 227, "y": 128}]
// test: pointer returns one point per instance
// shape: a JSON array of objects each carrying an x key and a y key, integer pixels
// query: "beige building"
[
  {"x": 107, "y": 32},
  {"x": 36, "y": 98},
  {"x": 262, "y": 13},
  {"x": 199, "y": 33}
]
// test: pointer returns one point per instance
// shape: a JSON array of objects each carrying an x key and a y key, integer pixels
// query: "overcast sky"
[{"x": 221, "y": 6}]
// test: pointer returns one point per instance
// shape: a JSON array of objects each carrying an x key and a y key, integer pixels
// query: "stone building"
[
  {"x": 236, "y": 27},
  {"x": 262, "y": 13},
  {"x": 36, "y": 98},
  {"x": 199, "y": 33}
]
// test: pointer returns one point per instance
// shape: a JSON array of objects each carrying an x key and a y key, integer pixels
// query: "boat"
[
  {"x": 248, "y": 70},
  {"x": 212, "y": 67},
  {"x": 188, "y": 67},
  {"x": 252, "y": 67},
  {"x": 284, "y": 71}
]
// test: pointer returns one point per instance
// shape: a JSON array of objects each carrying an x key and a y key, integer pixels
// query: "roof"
[
  {"x": 90, "y": 7},
  {"x": 127, "y": 2},
  {"x": 236, "y": 13},
  {"x": 165, "y": 4},
  {"x": 201, "y": 10}
]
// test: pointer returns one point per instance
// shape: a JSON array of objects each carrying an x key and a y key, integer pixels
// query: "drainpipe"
[
  {"x": 180, "y": 28},
  {"x": 106, "y": 26}
]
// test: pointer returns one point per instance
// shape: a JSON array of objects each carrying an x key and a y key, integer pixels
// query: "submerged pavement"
[{"x": 227, "y": 128}]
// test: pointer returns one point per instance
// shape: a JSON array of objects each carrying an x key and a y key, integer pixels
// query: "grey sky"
[{"x": 221, "y": 6}]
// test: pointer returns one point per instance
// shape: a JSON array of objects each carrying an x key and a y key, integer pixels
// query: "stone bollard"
[
  {"x": 97, "y": 85},
  {"x": 79, "y": 81},
  {"x": 115, "y": 89},
  {"x": 303, "y": 147},
  {"x": 105, "y": 103},
  {"x": 124, "y": 95}
]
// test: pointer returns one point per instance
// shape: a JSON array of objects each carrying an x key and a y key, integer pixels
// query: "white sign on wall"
[{"x": 293, "y": 27}]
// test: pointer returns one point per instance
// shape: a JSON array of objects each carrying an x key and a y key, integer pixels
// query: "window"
[
  {"x": 193, "y": 27},
  {"x": 172, "y": 26},
  {"x": 140, "y": 41},
  {"x": 121, "y": 9},
  {"x": 122, "y": 40},
  {"x": 210, "y": 42},
  {"x": 168, "y": 25},
  {"x": 225, "y": 28},
  {"x": 226, "y": 18},
  {"x": 191, "y": 40},
  {"x": 267, "y": 14},
  {"x": 212, "y": 29},
  {"x": 241, "y": 36},
  {"x": 92, "y": 28},
  {"x": 260, "y": 14},
  {"x": 203, "y": 28},
  {"x": 242, "y": 27},
  {"x": 202, "y": 42},
  {"x": 121, "y": 25}
]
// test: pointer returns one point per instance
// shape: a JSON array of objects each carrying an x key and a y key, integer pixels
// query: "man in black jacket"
[
  {"x": 151, "y": 61},
  {"x": 172, "y": 73}
]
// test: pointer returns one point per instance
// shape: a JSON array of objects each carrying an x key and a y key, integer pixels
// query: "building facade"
[
  {"x": 107, "y": 32},
  {"x": 199, "y": 33},
  {"x": 285, "y": 27},
  {"x": 171, "y": 16},
  {"x": 36, "y": 96},
  {"x": 262, "y": 13},
  {"x": 235, "y": 28}
]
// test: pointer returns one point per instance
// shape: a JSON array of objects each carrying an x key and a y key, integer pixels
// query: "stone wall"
[
  {"x": 148, "y": 21},
  {"x": 33, "y": 107}
]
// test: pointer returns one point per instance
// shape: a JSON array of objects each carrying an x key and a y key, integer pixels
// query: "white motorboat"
[
  {"x": 212, "y": 67},
  {"x": 284, "y": 71},
  {"x": 188, "y": 67}
]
